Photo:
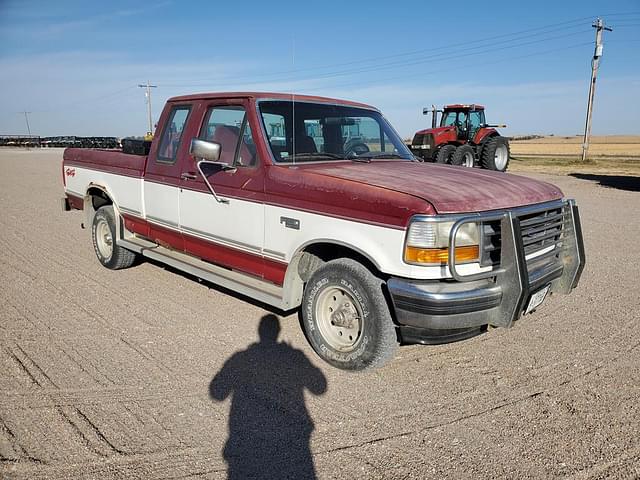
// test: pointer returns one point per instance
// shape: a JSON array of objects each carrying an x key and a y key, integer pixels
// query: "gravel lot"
[{"x": 128, "y": 374}]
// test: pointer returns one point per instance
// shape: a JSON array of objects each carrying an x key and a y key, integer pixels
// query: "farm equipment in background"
[{"x": 463, "y": 138}]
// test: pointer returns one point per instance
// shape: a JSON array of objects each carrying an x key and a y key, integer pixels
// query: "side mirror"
[{"x": 206, "y": 150}]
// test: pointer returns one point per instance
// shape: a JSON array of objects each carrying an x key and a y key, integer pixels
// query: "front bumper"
[{"x": 454, "y": 308}]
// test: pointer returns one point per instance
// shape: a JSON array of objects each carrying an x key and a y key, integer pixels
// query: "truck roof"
[{"x": 267, "y": 95}]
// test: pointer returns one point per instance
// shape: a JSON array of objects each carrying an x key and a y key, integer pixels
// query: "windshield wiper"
[
  {"x": 319, "y": 155},
  {"x": 368, "y": 157}
]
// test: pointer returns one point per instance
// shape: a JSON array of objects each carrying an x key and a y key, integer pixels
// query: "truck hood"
[{"x": 449, "y": 189}]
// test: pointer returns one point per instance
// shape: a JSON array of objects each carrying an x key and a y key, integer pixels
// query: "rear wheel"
[
  {"x": 464, "y": 156},
  {"x": 346, "y": 318},
  {"x": 495, "y": 154},
  {"x": 445, "y": 153},
  {"x": 103, "y": 234}
]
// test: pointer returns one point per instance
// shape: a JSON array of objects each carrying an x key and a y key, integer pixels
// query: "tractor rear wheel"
[
  {"x": 445, "y": 153},
  {"x": 464, "y": 156},
  {"x": 495, "y": 154}
]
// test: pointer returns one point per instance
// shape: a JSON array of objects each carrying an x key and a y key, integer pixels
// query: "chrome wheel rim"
[
  {"x": 501, "y": 157},
  {"x": 339, "y": 318},
  {"x": 104, "y": 241},
  {"x": 467, "y": 161}
]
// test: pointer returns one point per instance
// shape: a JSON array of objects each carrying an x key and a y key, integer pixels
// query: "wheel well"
[
  {"x": 93, "y": 200},
  {"x": 98, "y": 197},
  {"x": 306, "y": 261},
  {"x": 318, "y": 253}
]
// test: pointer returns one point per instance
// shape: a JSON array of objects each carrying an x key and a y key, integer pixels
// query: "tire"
[
  {"x": 495, "y": 154},
  {"x": 345, "y": 291},
  {"x": 464, "y": 156},
  {"x": 445, "y": 153},
  {"x": 103, "y": 234}
]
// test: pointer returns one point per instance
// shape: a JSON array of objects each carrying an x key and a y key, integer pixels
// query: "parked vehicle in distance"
[
  {"x": 315, "y": 204},
  {"x": 463, "y": 138}
]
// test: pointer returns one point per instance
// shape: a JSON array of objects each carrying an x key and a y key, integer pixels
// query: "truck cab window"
[
  {"x": 172, "y": 134},
  {"x": 229, "y": 126}
]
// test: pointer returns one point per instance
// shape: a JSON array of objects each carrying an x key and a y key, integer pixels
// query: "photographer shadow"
[{"x": 269, "y": 425}]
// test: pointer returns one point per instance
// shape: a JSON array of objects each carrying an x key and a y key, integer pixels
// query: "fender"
[
  {"x": 293, "y": 286},
  {"x": 88, "y": 203}
]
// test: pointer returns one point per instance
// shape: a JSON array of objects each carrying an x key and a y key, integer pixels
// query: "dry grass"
[
  {"x": 618, "y": 146},
  {"x": 565, "y": 166}
]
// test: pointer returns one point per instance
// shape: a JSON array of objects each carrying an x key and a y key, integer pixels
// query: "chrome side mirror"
[{"x": 206, "y": 150}]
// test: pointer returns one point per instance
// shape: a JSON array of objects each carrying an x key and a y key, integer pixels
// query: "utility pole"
[
  {"x": 147, "y": 94},
  {"x": 595, "y": 63},
  {"x": 26, "y": 119}
]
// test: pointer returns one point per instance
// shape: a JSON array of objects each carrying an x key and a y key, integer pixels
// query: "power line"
[
  {"x": 286, "y": 73},
  {"x": 277, "y": 76},
  {"x": 461, "y": 67},
  {"x": 439, "y": 57}
]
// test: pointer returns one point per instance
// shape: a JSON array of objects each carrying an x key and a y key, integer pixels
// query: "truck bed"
[{"x": 114, "y": 161}]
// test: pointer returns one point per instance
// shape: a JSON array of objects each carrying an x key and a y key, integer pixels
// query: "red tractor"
[{"x": 463, "y": 138}]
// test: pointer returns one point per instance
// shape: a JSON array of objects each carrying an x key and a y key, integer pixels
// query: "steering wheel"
[{"x": 357, "y": 149}]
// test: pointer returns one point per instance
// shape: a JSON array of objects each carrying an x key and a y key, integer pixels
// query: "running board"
[{"x": 252, "y": 287}]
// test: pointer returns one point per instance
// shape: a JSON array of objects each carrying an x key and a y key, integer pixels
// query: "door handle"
[{"x": 188, "y": 176}]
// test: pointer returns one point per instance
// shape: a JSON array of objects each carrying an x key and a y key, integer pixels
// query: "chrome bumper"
[{"x": 497, "y": 297}]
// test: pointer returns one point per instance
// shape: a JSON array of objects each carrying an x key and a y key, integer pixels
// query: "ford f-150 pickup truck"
[{"x": 316, "y": 204}]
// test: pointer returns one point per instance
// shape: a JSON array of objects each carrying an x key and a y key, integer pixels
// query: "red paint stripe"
[
  {"x": 256, "y": 265},
  {"x": 236, "y": 259}
]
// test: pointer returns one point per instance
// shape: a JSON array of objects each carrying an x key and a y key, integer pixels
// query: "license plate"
[{"x": 536, "y": 299}]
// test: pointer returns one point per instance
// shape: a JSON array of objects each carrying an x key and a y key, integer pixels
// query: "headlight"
[{"x": 428, "y": 243}]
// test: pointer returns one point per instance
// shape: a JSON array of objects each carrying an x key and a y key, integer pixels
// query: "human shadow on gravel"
[
  {"x": 621, "y": 182},
  {"x": 269, "y": 425}
]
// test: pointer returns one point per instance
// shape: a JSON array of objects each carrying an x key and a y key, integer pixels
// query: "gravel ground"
[{"x": 131, "y": 373}]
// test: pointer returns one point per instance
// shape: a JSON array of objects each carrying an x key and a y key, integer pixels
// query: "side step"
[{"x": 255, "y": 288}]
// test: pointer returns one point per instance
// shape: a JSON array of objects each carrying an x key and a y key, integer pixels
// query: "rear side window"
[{"x": 172, "y": 134}]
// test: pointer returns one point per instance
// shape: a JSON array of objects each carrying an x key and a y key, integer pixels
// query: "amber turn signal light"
[{"x": 440, "y": 256}]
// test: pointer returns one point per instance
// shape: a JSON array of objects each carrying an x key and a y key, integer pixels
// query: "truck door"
[
  {"x": 162, "y": 177},
  {"x": 228, "y": 231}
]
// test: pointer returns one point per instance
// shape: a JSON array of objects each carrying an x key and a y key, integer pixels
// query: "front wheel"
[
  {"x": 103, "y": 234},
  {"x": 445, "y": 153},
  {"x": 346, "y": 318},
  {"x": 464, "y": 156}
]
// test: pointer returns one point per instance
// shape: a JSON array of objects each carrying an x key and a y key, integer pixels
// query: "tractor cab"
[{"x": 467, "y": 119}]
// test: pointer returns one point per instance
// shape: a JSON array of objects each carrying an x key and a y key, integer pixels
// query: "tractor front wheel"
[
  {"x": 495, "y": 154},
  {"x": 445, "y": 153},
  {"x": 464, "y": 156}
]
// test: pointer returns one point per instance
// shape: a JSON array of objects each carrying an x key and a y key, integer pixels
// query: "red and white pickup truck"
[{"x": 316, "y": 203}]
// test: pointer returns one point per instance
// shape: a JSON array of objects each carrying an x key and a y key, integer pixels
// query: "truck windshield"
[{"x": 303, "y": 131}]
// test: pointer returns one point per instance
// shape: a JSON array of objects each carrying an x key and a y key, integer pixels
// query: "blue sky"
[{"x": 76, "y": 64}]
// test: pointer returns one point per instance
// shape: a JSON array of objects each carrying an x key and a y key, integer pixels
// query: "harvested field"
[{"x": 619, "y": 146}]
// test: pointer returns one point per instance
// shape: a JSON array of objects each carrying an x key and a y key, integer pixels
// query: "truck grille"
[{"x": 541, "y": 233}]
